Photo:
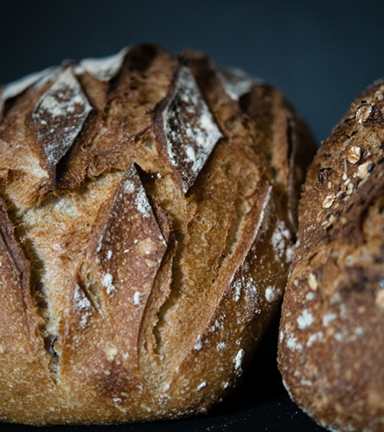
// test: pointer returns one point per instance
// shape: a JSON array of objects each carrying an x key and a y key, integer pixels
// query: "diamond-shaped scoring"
[
  {"x": 59, "y": 116},
  {"x": 190, "y": 129}
]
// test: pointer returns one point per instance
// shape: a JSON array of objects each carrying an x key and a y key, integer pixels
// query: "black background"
[{"x": 321, "y": 54}]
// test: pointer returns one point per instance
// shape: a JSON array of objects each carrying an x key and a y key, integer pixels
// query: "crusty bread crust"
[
  {"x": 145, "y": 237},
  {"x": 332, "y": 328}
]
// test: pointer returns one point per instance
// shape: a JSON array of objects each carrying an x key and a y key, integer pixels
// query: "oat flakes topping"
[
  {"x": 354, "y": 154},
  {"x": 363, "y": 169},
  {"x": 329, "y": 200},
  {"x": 363, "y": 112}
]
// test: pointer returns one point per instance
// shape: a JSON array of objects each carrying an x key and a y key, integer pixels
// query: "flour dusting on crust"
[
  {"x": 239, "y": 358},
  {"x": 105, "y": 68},
  {"x": 190, "y": 129},
  {"x": 235, "y": 81},
  {"x": 60, "y": 115},
  {"x": 82, "y": 305},
  {"x": 17, "y": 87},
  {"x": 280, "y": 241}
]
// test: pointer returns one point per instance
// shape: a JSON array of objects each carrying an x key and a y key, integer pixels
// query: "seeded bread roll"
[
  {"x": 147, "y": 214},
  {"x": 331, "y": 351}
]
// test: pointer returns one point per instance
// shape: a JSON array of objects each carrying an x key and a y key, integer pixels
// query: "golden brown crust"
[
  {"x": 155, "y": 231},
  {"x": 331, "y": 340}
]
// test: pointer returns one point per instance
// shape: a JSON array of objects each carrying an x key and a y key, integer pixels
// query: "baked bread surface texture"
[
  {"x": 331, "y": 350},
  {"x": 147, "y": 219}
]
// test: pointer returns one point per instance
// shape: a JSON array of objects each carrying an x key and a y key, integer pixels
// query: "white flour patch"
[
  {"x": 107, "y": 282},
  {"x": 132, "y": 183},
  {"x": 339, "y": 337},
  {"x": 202, "y": 385},
  {"x": 82, "y": 305},
  {"x": 105, "y": 68},
  {"x": 235, "y": 81},
  {"x": 129, "y": 186},
  {"x": 315, "y": 337},
  {"x": 280, "y": 239},
  {"x": 293, "y": 345},
  {"x": 328, "y": 317},
  {"x": 59, "y": 116},
  {"x": 136, "y": 298},
  {"x": 238, "y": 359},
  {"x": 289, "y": 253},
  {"x": 191, "y": 156},
  {"x": 190, "y": 129},
  {"x": 100, "y": 243},
  {"x": 310, "y": 296},
  {"x": 305, "y": 319},
  {"x": 272, "y": 294},
  {"x": 237, "y": 287},
  {"x": 142, "y": 203},
  {"x": 198, "y": 346}
]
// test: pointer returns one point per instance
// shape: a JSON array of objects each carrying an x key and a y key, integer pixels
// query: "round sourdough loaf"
[
  {"x": 147, "y": 214},
  {"x": 331, "y": 352}
]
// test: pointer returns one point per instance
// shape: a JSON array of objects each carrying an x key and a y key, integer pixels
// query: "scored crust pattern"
[
  {"x": 145, "y": 238},
  {"x": 190, "y": 132},
  {"x": 59, "y": 116}
]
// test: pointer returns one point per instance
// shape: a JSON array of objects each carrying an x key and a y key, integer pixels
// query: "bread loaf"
[
  {"x": 331, "y": 351},
  {"x": 147, "y": 215}
]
